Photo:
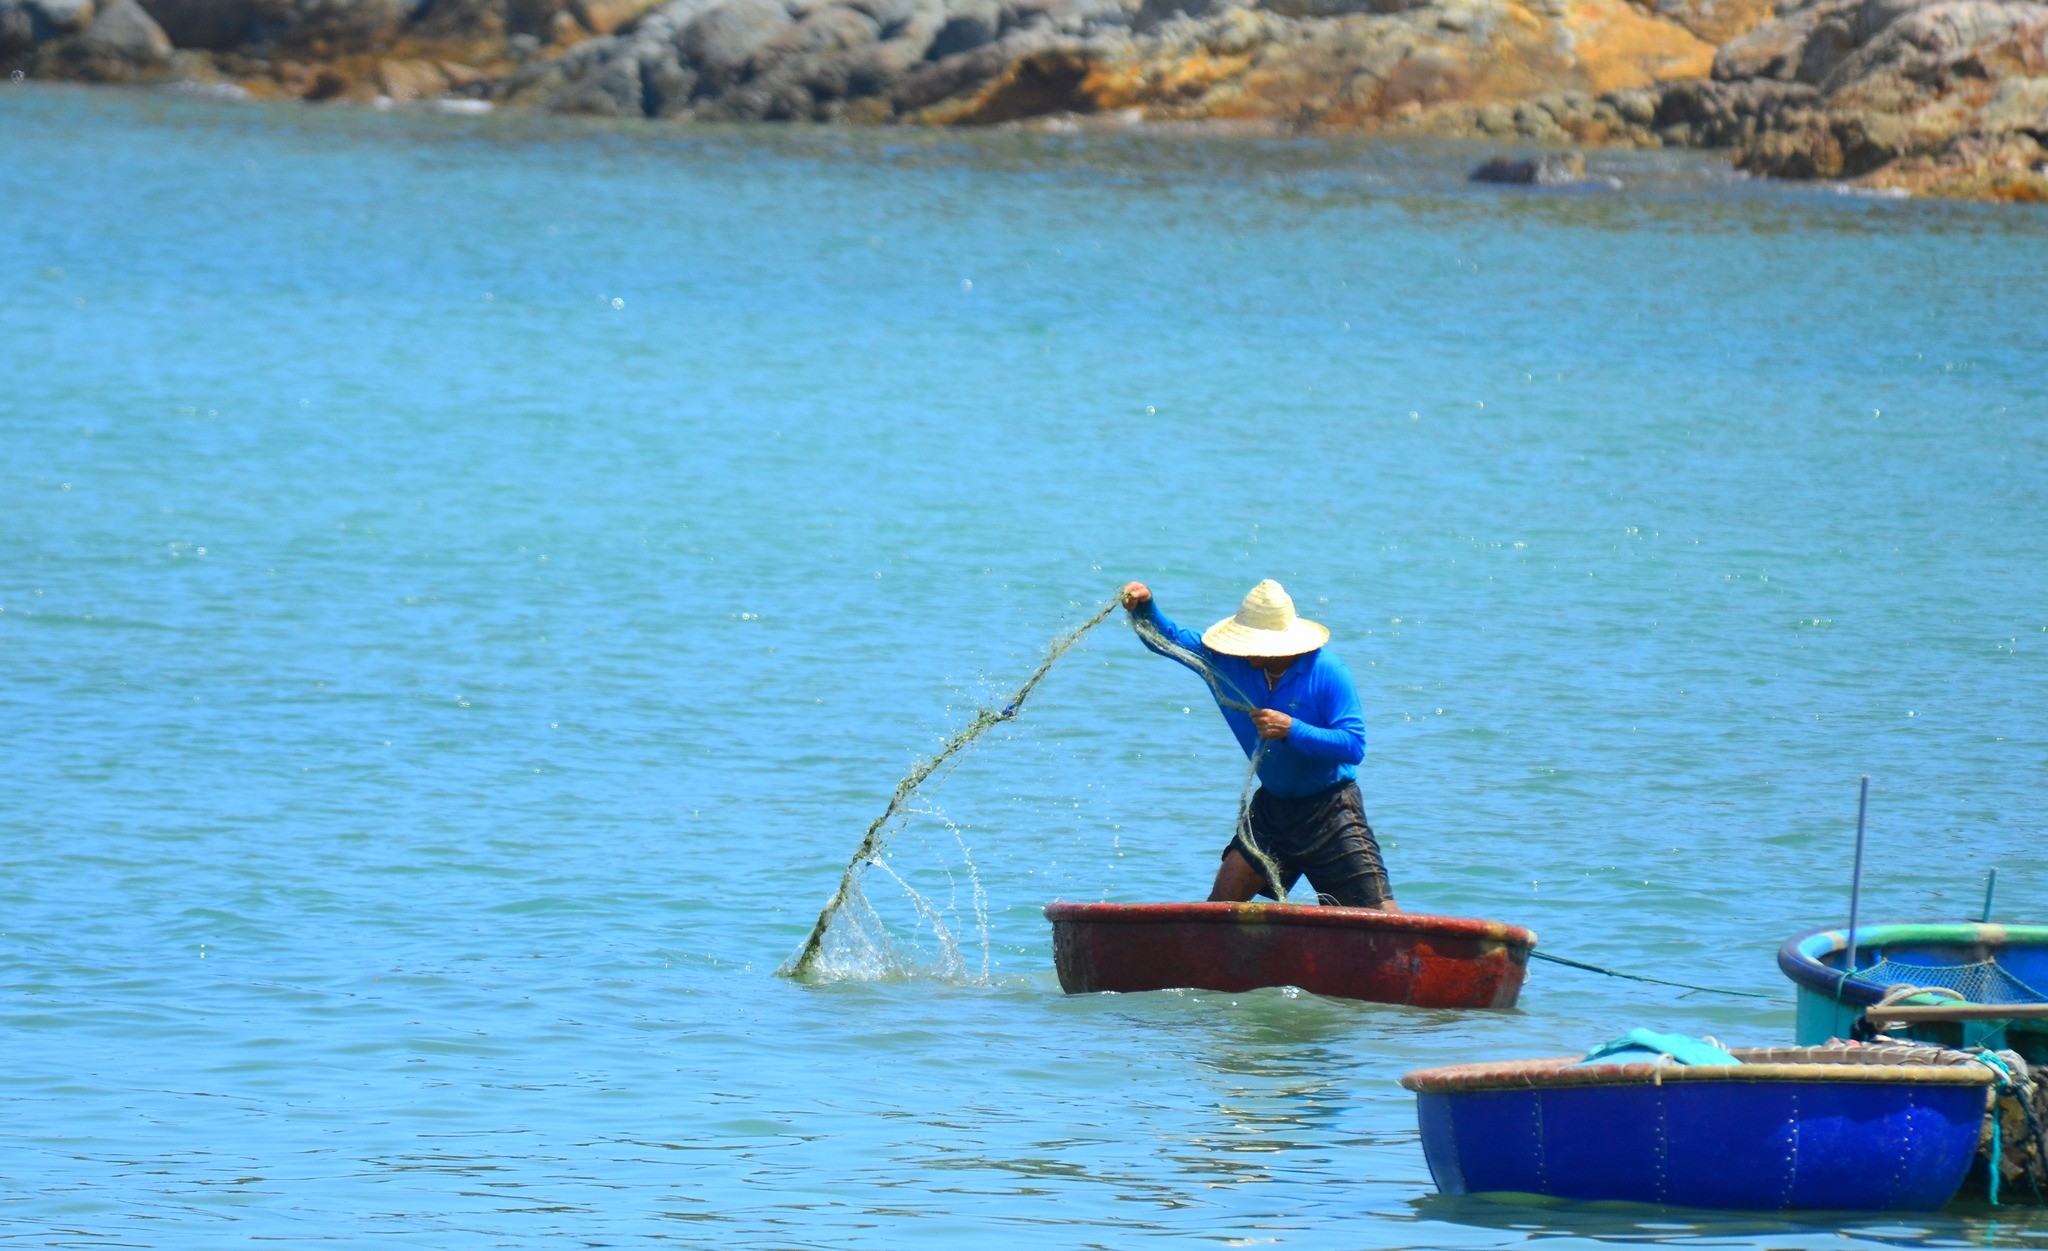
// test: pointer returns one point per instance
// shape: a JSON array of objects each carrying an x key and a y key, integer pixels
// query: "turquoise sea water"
[{"x": 466, "y": 583}]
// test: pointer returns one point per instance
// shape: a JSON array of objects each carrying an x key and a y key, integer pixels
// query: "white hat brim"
[{"x": 1232, "y": 638}]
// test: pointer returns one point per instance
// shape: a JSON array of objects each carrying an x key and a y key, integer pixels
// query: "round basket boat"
[
  {"x": 1347, "y": 953},
  {"x": 1816, "y": 1128},
  {"x": 1997, "y": 973}
]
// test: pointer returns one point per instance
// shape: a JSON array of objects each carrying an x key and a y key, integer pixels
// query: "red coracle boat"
[{"x": 1347, "y": 953}]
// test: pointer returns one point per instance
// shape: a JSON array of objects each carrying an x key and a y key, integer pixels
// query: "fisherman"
[{"x": 1307, "y": 815}]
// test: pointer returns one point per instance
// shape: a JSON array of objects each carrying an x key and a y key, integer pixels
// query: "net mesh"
[{"x": 1983, "y": 982}]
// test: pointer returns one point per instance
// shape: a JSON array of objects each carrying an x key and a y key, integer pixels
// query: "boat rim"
[
  {"x": 1324, "y": 915},
  {"x": 1564, "y": 1072},
  {"x": 1799, "y": 958}
]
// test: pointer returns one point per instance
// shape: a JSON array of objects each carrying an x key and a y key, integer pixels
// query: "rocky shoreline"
[{"x": 1942, "y": 97}]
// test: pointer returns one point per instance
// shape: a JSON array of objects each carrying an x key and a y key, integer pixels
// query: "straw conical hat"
[{"x": 1265, "y": 625}]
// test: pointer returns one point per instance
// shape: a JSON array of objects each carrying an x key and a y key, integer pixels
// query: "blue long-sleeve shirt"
[{"x": 1326, "y": 742}]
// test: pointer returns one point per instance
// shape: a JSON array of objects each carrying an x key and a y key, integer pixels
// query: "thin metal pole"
[
  {"x": 1990, "y": 885},
  {"x": 1856, "y": 875}
]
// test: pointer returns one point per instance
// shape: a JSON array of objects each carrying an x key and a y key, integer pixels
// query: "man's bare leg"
[{"x": 1237, "y": 879}]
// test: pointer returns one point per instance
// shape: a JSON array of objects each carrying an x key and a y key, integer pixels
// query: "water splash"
[
  {"x": 868, "y": 941},
  {"x": 976, "y": 894}
]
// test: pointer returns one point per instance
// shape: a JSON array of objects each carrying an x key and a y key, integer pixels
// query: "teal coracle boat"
[{"x": 1951, "y": 983}]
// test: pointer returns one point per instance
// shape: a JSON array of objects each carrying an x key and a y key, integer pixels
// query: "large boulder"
[
  {"x": 55, "y": 19},
  {"x": 968, "y": 25},
  {"x": 1777, "y": 49},
  {"x": 329, "y": 28},
  {"x": 1716, "y": 21},
  {"x": 1924, "y": 42},
  {"x": 1924, "y": 95},
  {"x": 720, "y": 44},
  {"x": 740, "y": 60},
  {"x": 221, "y": 25},
  {"x": 121, "y": 44},
  {"x": 26, "y": 23},
  {"x": 602, "y": 17},
  {"x": 17, "y": 34},
  {"x": 410, "y": 78}
]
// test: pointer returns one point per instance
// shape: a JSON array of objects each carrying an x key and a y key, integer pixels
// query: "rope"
[
  {"x": 1229, "y": 695},
  {"x": 1997, "y": 1149},
  {"x": 2021, "y": 1090},
  {"x": 1901, "y": 992},
  {"x": 2006, "y": 1080},
  {"x": 1639, "y": 977}
]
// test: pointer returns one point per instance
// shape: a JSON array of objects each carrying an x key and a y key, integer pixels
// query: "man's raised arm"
[{"x": 1138, "y": 602}]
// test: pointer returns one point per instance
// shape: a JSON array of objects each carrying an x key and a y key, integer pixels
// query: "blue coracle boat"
[{"x": 1814, "y": 1128}]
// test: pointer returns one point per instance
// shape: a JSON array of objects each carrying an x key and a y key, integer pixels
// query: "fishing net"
[
  {"x": 806, "y": 961},
  {"x": 849, "y": 935},
  {"x": 1986, "y": 981}
]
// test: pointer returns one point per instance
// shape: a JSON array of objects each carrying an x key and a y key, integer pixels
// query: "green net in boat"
[{"x": 1982, "y": 982}]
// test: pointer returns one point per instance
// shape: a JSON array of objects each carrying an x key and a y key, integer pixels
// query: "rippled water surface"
[{"x": 466, "y": 583}]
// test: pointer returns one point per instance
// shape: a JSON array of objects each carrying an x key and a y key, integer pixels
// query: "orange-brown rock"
[
  {"x": 602, "y": 17},
  {"x": 1716, "y": 21},
  {"x": 403, "y": 79},
  {"x": 1353, "y": 71},
  {"x": 1941, "y": 97}
]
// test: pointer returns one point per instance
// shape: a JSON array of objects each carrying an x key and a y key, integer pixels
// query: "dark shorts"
[{"x": 1323, "y": 837}]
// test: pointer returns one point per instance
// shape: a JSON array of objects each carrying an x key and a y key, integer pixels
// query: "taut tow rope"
[{"x": 1639, "y": 977}]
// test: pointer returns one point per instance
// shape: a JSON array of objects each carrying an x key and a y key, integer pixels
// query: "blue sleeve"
[
  {"x": 1185, "y": 638},
  {"x": 1342, "y": 738}
]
